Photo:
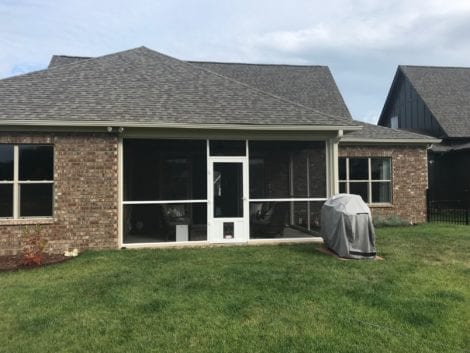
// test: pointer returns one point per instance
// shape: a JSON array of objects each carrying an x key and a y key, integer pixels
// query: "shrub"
[
  {"x": 33, "y": 249},
  {"x": 391, "y": 221}
]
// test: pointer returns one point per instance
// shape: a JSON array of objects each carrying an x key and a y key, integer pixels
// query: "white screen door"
[{"x": 228, "y": 200}]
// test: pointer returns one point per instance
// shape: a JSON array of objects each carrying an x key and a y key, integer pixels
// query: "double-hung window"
[
  {"x": 368, "y": 177},
  {"x": 26, "y": 180}
]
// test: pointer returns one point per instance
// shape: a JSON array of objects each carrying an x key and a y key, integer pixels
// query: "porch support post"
[
  {"x": 333, "y": 174},
  {"x": 335, "y": 186},
  {"x": 120, "y": 191}
]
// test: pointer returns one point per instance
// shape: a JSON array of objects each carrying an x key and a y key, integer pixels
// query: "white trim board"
[
  {"x": 230, "y": 126},
  {"x": 422, "y": 141}
]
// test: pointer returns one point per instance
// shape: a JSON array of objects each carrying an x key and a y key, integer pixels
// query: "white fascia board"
[{"x": 265, "y": 127}]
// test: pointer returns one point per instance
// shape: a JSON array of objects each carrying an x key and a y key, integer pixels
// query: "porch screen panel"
[
  {"x": 284, "y": 219},
  {"x": 165, "y": 170},
  {"x": 165, "y": 190},
  {"x": 287, "y": 169},
  {"x": 165, "y": 223},
  {"x": 287, "y": 188}
]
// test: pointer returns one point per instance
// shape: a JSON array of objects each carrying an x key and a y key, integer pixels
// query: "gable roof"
[
  {"x": 142, "y": 87},
  {"x": 446, "y": 93}
]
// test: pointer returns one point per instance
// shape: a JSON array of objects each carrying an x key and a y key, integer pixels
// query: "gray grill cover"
[{"x": 346, "y": 227}]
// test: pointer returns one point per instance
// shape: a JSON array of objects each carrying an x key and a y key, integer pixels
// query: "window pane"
[
  {"x": 380, "y": 168},
  {"x": 228, "y": 190},
  {"x": 359, "y": 189},
  {"x": 227, "y": 148},
  {"x": 165, "y": 223},
  {"x": 6, "y": 162},
  {"x": 36, "y": 200},
  {"x": 165, "y": 170},
  {"x": 342, "y": 168},
  {"x": 342, "y": 188},
  {"x": 381, "y": 192},
  {"x": 36, "y": 162},
  {"x": 358, "y": 169},
  {"x": 6, "y": 200}
]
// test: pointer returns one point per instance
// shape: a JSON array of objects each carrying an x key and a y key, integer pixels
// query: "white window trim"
[
  {"x": 369, "y": 181},
  {"x": 16, "y": 182}
]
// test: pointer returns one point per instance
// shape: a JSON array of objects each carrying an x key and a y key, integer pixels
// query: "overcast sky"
[{"x": 362, "y": 41}]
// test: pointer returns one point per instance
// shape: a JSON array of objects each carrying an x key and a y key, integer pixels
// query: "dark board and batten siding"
[{"x": 409, "y": 107}]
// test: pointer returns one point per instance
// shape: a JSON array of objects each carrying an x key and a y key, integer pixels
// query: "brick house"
[
  {"x": 140, "y": 149},
  {"x": 436, "y": 101}
]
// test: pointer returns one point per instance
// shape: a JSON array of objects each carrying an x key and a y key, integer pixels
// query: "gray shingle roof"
[
  {"x": 446, "y": 92},
  {"x": 144, "y": 86},
  {"x": 377, "y": 132},
  {"x": 312, "y": 86}
]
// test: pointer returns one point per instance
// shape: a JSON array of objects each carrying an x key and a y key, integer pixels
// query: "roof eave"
[
  {"x": 258, "y": 127},
  {"x": 422, "y": 141}
]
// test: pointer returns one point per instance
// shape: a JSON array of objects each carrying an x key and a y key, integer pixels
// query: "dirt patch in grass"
[{"x": 14, "y": 262}]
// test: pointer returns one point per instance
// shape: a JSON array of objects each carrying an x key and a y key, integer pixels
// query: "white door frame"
[{"x": 212, "y": 237}]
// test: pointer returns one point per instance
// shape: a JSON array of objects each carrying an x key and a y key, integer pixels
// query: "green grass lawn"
[{"x": 248, "y": 299}]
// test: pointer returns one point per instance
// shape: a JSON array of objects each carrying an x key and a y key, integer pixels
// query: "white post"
[
  {"x": 120, "y": 192},
  {"x": 335, "y": 183},
  {"x": 332, "y": 165}
]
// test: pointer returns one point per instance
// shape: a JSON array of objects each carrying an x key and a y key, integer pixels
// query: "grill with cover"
[{"x": 346, "y": 227}]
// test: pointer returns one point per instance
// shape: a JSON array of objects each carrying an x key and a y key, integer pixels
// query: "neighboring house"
[
  {"x": 436, "y": 101},
  {"x": 137, "y": 149}
]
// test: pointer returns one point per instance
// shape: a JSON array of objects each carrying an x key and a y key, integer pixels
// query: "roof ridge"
[{"x": 249, "y": 64}]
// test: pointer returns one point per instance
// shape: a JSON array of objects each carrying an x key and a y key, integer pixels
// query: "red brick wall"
[
  {"x": 85, "y": 193},
  {"x": 86, "y": 189},
  {"x": 409, "y": 179}
]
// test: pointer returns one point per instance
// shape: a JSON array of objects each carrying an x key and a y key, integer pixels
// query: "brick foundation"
[
  {"x": 409, "y": 179},
  {"x": 85, "y": 194}
]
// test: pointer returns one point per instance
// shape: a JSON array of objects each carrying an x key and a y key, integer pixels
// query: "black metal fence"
[{"x": 448, "y": 211}]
